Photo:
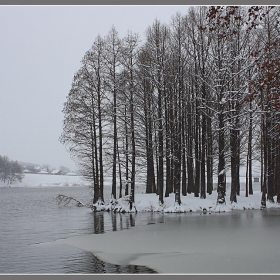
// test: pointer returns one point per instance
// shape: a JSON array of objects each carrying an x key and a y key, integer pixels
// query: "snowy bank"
[{"x": 150, "y": 203}]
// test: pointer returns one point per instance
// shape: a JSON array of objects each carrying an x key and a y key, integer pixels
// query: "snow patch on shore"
[{"x": 189, "y": 203}]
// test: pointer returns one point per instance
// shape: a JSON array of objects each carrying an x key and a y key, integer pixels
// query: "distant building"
[
  {"x": 26, "y": 171},
  {"x": 43, "y": 172},
  {"x": 37, "y": 169},
  {"x": 56, "y": 172}
]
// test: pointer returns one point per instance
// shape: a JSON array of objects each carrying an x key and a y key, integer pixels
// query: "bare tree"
[
  {"x": 82, "y": 126},
  {"x": 10, "y": 171}
]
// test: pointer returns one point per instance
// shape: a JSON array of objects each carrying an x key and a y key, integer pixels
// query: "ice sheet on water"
[{"x": 193, "y": 243}]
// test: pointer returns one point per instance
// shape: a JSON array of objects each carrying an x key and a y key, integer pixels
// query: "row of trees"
[
  {"x": 10, "y": 171},
  {"x": 200, "y": 96}
]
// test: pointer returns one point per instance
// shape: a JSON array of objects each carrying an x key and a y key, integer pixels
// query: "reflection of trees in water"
[
  {"x": 114, "y": 221},
  {"x": 98, "y": 222},
  {"x": 121, "y": 222},
  {"x": 155, "y": 218},
  {"x": 118, "y": 221},
  {"x": 103, "y": 221},
  {"x": 129, "y": 220},
  {"x": 132, "y": 220}
]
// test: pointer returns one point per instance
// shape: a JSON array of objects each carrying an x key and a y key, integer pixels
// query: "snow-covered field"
[{"x": 46, "y": 180}]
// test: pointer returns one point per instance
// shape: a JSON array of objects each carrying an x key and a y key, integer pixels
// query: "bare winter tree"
[
  {"x": 10, "y": 171},
  {"x": 264, "y": 87},
  {"x": 82, "y": 126},
  {"x": 157, "y": 46},
  {"x": 130, "y": 50},
  {"x": 112, "y": 80}
]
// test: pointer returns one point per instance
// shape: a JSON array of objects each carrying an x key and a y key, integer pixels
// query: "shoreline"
[{"x": 150, "y": 203}]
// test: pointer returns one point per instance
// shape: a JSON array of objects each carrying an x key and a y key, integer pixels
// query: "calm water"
[{"x": 31, "y": 216}]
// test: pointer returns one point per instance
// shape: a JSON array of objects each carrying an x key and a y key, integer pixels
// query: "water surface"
[
  {"x": 31, "y": 220},
  {"x": 31, "y": 216}
]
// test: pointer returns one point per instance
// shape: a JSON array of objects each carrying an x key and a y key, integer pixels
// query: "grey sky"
[{"x": 40, "y": 50}]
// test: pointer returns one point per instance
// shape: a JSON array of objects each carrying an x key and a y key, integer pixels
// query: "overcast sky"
[{"x": 40, "y": 50}]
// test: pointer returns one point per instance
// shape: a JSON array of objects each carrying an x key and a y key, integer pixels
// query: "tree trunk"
[
  {"x": 264, "y": 183},
  {"x": 190, "y": 187},
  {"x": 126, "y": 153},
  {"x": 247, "y": 182},
  {"x": 209, "y": 157},
  {"x": 100, "y": 139},
  {"x": 250, "y": 150},
  {"x": 114, "y": 175},
  {"x": 167, "y": 145},
  {"x": 160, "y": 148},
  {"x": 203, "y": 145},
  {"x": 197, "y": 153},
  {"x": 133, "y": 162},
  {"x": 221, "y": 165},
  {"x": 120, "y": 173}
]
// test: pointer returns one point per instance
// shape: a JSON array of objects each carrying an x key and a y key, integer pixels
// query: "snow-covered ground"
[
  {"x": 149, "y": 202},
  {"x": 46, "y": 180}
]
